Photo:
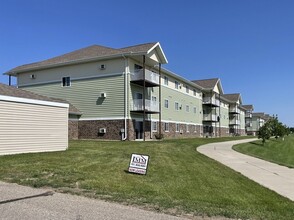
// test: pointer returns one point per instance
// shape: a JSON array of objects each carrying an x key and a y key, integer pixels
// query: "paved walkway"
[{"x": 275, "y": 177}]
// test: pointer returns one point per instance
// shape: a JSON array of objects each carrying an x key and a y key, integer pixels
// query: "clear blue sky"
[{"x": 249, "y": 44}]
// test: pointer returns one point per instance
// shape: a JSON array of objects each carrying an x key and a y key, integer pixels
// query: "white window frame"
[
  {"x": 166, "y": 103},
  {"x": 187, "y": 128},
  {"x": 177, "y": 127},
  {"x": 165, "y": 80},
  {"x": 187, "y": 108},
  {"x": 195, "y": 109},
  {"x": 166, "y": 127},
  {"x": 65, "y": 82},
  {"x": 177, "y": 84},
  {"x": 187, "y": 89},
  {"x": 177, "y": 106},
  {"x": 194, "y": 92}
]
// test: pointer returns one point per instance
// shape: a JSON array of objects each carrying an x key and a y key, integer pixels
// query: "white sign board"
[{"x": 138, "y": 164}]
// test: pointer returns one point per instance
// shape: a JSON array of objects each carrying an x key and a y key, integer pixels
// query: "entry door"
[{"x": 139, "y": 129}]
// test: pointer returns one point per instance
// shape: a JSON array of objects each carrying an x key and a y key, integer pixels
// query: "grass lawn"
[
  {"x": 276, "y": 151},
  {"x": 179, "y": 180}
]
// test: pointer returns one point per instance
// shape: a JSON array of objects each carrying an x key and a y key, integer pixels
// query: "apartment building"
[
  {"x": 248, "y": 119},
  {"x": 236, "y": 114},
  {"x": 125, "y": 94}
]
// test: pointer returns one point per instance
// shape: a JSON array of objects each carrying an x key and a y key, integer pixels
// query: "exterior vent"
[
  {"x": 102, "y": 130},
  {"x": 103, "y": 95},
  {"x": 102, "y": 67},
  {"x": 33, "y": 76}
]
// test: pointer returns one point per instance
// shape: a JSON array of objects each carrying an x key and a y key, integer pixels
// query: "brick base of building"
[
  {"x": 73, "y": 129},
  {"x": 92, "y": 129},
  {"x": 114, "y": 130}
]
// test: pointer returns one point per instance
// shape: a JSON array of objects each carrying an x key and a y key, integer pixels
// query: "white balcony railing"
[
  {"x": 235, "y": 122},
  {"x": 234, "y": 110},
  {"x": 248, "y": 115},
  {"x": 150, "y": 105},
  {"x": 149, "y": 76},
  {"x": 210, "y": 100},
  {"x": 209, "y": 117}
]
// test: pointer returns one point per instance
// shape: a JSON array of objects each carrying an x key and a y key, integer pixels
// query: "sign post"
[{"x": 138, "y": 164}]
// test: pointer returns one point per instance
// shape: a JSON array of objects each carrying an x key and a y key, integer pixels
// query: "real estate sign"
[{"x": 139, "y": 164}]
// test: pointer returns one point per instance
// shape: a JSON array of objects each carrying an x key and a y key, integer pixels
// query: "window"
[
  {"x": 176, "y": 106},
  {"x": 194, "y": 92},
  {"x": 66, "y": 81},
  {"x": 166, "y": 127},
  {"x": 195, "y": 110},
  {"x": 195, "y": 129},
  {"x": 177, "y": 84},
  {"x": 153, "y": 99},
  {"x": 187, "y": 89},
  {"x": 154, "y": 125},
  {"x": 187, "y": 128},
  {"x": 166, "y": 103},
  {"x": 187, "y": 108},
  {"x": 165, "y": 80},
  {"x": 177, "y": 127}
]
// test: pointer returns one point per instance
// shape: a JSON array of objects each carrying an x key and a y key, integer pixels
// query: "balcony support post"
[
  {"x": 144, "y": 109},
  {"x": 159, "y": 126}
]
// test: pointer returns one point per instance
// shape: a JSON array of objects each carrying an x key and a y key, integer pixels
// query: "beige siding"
[{"x": 28, "y": 128}]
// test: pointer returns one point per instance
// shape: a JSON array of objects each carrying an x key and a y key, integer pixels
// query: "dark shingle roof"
[
  {"x": 6, "y": 90},
  {"x": 206, "y": 83},
  {"x": 87, "y": 53},
  {"x": 248, "y": 107},
  {"x": 232, "y": 97}
]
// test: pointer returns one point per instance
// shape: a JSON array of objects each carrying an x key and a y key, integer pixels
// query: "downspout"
[{"x": 126, "y": 98}]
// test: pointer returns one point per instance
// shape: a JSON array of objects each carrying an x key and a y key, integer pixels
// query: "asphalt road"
[{"x": 20, "y": 202}]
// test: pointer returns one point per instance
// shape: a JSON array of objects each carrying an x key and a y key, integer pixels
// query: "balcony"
[
  {"x": 248, "y": 115},
  {"x": 234, "y": 122},
  {"x": 210, "y": 101},
  {"x": 151, "y": 107},
  {"x": 151, "y": 78},
  {"x": 249, "y": 124},
  {"x": 210, "y": 117},
  {"x": 234, "y": 110}
]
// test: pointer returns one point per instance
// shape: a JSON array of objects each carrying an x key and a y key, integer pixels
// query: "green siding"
[
  {"x": 224, "y": 118},
  {"x": 183, "y": 99},
  {"x": 85, "y": 95}
]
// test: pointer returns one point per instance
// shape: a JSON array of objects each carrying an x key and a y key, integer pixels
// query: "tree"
[
  {"x": 265, "y": 132},
  {"x": 273, "y": 128}
]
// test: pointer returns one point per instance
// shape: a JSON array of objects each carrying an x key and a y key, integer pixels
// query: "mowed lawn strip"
[
  {"x": 179, "y": 180},
  {"x": 274, "y": 150}
]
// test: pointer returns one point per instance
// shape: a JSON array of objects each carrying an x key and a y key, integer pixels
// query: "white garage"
[{"x": 31, "y": 123}]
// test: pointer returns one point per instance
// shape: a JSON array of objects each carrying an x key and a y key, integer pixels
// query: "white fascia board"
[
  {"x": 160, "y": 52},
  {"x": 33, "y": 101}
]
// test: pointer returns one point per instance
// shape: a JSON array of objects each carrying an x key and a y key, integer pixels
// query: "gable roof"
[
  {"x": 6, "y": 90},
  {"x": 209, "y": 84},
  {"x": 248, "y": 107},
  {"x": 91, "y": 53},
  {"x": 232, "y": 97}
]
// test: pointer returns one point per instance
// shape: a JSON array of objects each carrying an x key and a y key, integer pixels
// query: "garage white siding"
[{"x": 28, "y": 125}]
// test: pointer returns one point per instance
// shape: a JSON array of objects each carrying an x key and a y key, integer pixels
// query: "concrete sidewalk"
[{"x": 275, "y": 177}]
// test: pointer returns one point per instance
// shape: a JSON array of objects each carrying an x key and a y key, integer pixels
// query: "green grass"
[
  {"x": 276, "y": 151},
  {"x": 179, "y": 181}
]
